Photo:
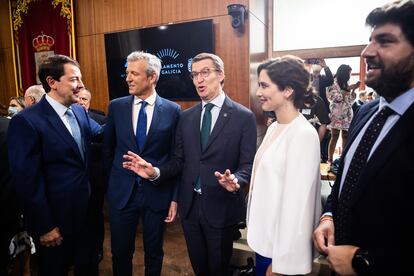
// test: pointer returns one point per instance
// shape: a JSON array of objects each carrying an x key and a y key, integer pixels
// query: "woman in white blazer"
[{"x": 284, "y": 199}]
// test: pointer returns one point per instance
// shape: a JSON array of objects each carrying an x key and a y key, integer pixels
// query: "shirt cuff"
[{"x": 157, "y": 172}]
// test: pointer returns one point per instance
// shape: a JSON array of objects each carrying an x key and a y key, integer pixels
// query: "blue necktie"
[
  {"x": 141, "y": 131},
  {"x": 75, "y": 130},
  {"x": 357, "y": 165},
  {"x": 204, "y": 135}
]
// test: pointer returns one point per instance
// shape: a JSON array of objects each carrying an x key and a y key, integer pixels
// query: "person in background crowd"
[
  {"x": 85, "y": 97},
  {"x": 362, "y": 98},
  {"x": 16, "y": 105},
  {"x": 320, "y": 82},
  {"x": 9, "y": 211},
  {"x": 130, "y": 197},
  {"x": 371, "y": 96},
  {"x": 48, "y": 148},
  {"x": 341, "y": 95},
  {"x": 33, "y": 94},
  {"x": 313, "y": 109},
  {"x": 286, "y": 178},
  {"x": 97, "y": 173},
  {"x": 214, "y": 150},
  {"x": 366, "y": 228}
]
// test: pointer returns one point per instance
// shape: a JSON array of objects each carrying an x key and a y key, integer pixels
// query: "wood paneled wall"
[
  {"x": 94, "y": 18},
  {"x": 7, "y": 80}
]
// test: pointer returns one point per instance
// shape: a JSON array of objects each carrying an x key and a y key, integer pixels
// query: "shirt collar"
[
  {"x": 57, "y": 106},
  {"x": 217, "y": 101},
  {"x": 150, "y": 100},
  {"x": 400, "y": 104}
]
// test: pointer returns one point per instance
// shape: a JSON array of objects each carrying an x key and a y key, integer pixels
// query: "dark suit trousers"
[
  {"x": 209, "y": 248},
  {"x": 77, "y": 249},
  {"x": 123, "y": 231}
]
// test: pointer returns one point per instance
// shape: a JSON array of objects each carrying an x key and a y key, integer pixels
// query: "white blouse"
[{"x": 284, "y": 200}]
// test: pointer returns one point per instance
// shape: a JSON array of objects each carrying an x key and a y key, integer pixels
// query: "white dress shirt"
[
  {"x": 60, "y": 110},
  {"x": 136, "y": 107}
]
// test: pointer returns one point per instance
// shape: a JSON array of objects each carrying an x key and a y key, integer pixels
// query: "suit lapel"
[
  {"x": 80, "y": 115},
  {"x": 59, "y": 126},
  {"x": 359, "y": 125},
  {"x": 126, "y": 122},
  {"x": 394, "y": 138},
  {"x": 223, "y": 118},
  {"x": 156, "y": 117}
]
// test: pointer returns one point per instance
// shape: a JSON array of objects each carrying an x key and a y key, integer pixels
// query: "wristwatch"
[{"x": 360, "y": 262}]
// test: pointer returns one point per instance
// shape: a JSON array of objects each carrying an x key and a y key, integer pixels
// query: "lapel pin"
[{"x": 225, "y": 114}]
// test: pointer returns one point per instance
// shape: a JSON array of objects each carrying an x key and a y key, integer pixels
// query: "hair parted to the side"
[
  {"x": 399, "y": 12},
  {"x": 54, "y": 66},
  {"x": 153, "y": 62},
  {"x": 217, "y": 61},
  {"x": 290, "y": 72}
]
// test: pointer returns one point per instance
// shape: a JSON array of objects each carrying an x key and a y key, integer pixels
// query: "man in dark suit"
[
  {"x": 368, "y": 216},
  {"x": 96, "y": 171},
  {"x": 9, "y": 211},
  {"x": 145, "y": 123},
  {"x": 49, "y": 156},
  {"x": 214, "y": 169}
]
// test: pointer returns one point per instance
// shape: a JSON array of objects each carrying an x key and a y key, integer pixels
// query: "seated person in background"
[
  {"x": 33, "y": 94},
  {"x": 16, "y": 105},
  {"x": 285, "y": 182}
]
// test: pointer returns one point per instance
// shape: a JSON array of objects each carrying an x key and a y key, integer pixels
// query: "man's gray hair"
[
  {"x": 35, "y": 91},
  {"x": 153, "y": 62}
]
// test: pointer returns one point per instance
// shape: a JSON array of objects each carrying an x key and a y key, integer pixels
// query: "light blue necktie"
[{"x": 73, "y": 123}]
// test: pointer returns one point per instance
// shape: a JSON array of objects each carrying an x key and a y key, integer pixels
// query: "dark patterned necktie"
[
  {"x": 204, "y": 135},
  {"x": 141, "y": 131},
  {"x": 357, "y": 165},
  {"x": 206, "y": 126}
]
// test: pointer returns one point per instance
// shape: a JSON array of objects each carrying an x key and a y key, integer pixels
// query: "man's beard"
[{"x": 394, "y": 80}]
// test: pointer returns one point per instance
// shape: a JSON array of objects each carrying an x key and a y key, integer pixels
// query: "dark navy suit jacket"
[
  {"x": 50, "y": 175},
  {"x": 232, "y": 145},
  {"x": 382, "y": 209},
  {"x": 119, "y": 138}
]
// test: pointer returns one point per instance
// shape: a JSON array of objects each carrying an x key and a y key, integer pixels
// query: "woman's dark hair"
[
  {"x": 54, "y": 67},
  {"x": 343, "y": 74},
  {"x": 289, "y": 71}
]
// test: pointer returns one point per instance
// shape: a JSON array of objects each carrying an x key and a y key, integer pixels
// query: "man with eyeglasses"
[{"x": 214, "y": 150}]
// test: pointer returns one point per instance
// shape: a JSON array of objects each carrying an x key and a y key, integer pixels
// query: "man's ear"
[
  {"x": 51, "y": 82},
  {"x": 221, "y": 75}
]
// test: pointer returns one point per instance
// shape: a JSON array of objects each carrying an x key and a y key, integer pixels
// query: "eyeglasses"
[{"x": 204, "y": 73}]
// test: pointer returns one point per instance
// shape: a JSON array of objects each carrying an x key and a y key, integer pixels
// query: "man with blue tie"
[
  {"x": 144, "y": 123},
  {"x": 366, "y": 227},
  {"x": 214, "y": 151},
  {"x": 49, "y": 158}
]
